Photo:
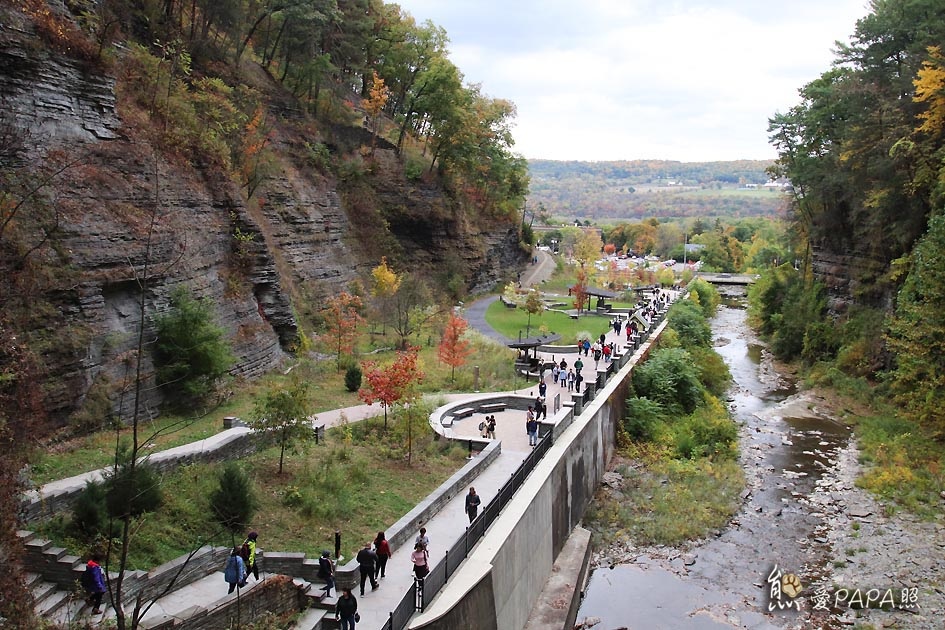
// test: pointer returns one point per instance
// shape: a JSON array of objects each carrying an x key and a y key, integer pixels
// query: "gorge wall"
[{"x": 131, "y": 220}]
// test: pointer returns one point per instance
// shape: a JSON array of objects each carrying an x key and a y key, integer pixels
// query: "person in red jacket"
[{"x": 382, "y": 548}]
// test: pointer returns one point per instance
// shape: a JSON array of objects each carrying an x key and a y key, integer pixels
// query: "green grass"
[
  {"x": 356, "y": 487},
  {"x": 647, "y": 506},
  {"x": 509, "y": 321}
]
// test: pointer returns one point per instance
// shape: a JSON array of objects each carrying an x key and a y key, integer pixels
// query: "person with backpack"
[
  {"x": 382, "y": 549},
  {"x": 235, "y": 571},
  {"x": 93, "y": 581},
  {"x": 248, "y": 553},
  {"x": 326, "y": 571}
]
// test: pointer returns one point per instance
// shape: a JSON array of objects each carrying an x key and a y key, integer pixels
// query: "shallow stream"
[{"x": 792, "y": 457}]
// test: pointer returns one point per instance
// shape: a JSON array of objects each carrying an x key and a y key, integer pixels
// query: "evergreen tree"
[{"x": 234, "y": 501}]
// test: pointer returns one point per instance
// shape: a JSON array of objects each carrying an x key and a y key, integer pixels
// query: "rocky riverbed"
[{"x": 807, "y": 549}]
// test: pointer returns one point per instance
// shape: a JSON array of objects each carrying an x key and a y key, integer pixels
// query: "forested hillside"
[
  {"x": 865, "y": 151},
  {"x": 642, "y": 189},
  {"x": 222, "y": 169}
]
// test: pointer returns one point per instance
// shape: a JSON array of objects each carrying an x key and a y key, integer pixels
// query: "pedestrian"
[
  {"x": 235, "y": 571},
  {"x": 421, "y": 561},
  {"x": 529, "y": 415},
  {"x": 248, "y": 553},
  {"x": 578, "y": 379},
  {"x": 570, "y": 380},
  {"x": 367, "y": 560},
  {"x": 555, "y": 372},
  {"x": 484, "y": 427},
  {"x": 542, "y": 388},
  {"x": 563, "y": 378},
  {"x": 422, "y": 539},
  {"x": 602, "y": 339},
  {"x": 93, "y": 581},
  {"x": 531, "y": 428},
  {"x": 382, "y": 549},
  {"x": 490, "y": 427},
  {"x": 472, "y": 504},
  {"x": 606, "y": 350},
  {"x": 347, "y": 609},
  {"x": 563, "y": 365},
  {"x": 578, "y": 366},
  {"x": 587, "y": 347},
  {"x": 540, "y": 409},
  {"x": 326, "y": 571}
]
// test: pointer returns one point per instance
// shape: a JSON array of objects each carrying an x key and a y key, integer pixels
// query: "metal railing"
[{"x": 423, "y": 591}]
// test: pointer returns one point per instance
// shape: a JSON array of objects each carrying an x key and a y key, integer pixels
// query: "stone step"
[
  {"x": 52, "y": 603},
  {"x": 38, "y": 545},
  {"x": 41, "y": 590},
  {"x": 54, "y": 554}
]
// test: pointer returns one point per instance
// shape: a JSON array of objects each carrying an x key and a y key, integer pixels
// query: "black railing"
[{"x": 436, "y": 580}]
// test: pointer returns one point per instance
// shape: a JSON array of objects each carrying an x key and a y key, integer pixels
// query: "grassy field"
[
  {"x": 356, "y": 482},
  {"x": 509, "y": 322}
]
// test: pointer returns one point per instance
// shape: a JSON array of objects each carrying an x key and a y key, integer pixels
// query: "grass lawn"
[
  {"x": 509, "y": 321},
  {"x": 357, "y": 482}
]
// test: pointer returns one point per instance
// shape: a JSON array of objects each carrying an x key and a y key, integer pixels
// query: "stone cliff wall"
[
  {"x": 132, "y": 217},
  {"x": 851, "y": 278}
]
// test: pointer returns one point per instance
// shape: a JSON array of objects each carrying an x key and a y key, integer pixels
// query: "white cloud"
[{"x": 634, "y": 79}]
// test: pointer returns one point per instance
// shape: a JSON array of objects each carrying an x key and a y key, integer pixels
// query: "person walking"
[
  {"x": 235, "y": 572},
  {"x": 578, "y": 366},
  {"x": 347, "y": 609},
  {"x": 367, "y": 561},
  {"x": 540, "y": 410},
  {"x": 472, "y": 504},
  {"x": 326, "y": 571},
  {"x": 578, "y": 379},
  {"x": 563, "y": 378},
  {"x": 93, "y": 581},
  {"x": 542, "y": 388},
  {"x": 248, "y": 553},
  {"x": 421, "y": 561},
  {"x": 422, "y": 539},
  {"x": 570, "y": 376},
  {"x": 382, "y": 549},
  {"x": 531, "y": 427},
  {"x": 490, "y": 427}
]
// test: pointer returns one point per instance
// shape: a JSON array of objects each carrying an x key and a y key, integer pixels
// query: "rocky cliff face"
[
  {"x": 132, "y": 219},
  {"x": 852, "y": 278}
]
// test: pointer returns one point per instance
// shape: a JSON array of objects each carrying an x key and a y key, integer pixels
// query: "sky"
[{"x": 602, "y": 80}]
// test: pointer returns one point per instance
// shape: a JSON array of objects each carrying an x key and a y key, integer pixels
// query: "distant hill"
[{"x": 639, "y": 189}]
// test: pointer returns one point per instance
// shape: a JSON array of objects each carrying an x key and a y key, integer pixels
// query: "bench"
[
  {"x": 463, "y": 413},
  {"x": 507, "y": 303},
  {"x": 573, "y": 315},
  {"x": 491, "y": 407},
  {"x": 447, "y": 421}
]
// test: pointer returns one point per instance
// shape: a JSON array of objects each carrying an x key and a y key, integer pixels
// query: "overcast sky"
[{"x": 688, "y": 80}]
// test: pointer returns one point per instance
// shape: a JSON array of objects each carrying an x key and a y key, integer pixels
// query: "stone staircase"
[{"x": 57, "y": 592}]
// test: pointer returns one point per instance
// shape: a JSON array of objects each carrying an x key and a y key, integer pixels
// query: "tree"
[
  {"x": 579, "y": 290},
  {"x": 411, "y": 308},
  {"x": 385, "y": 284},
  {"x": 453, "y": 349},
  {"x": 286, "y": 412},
  {"x": 374, "y": 104},
  {"x": 191, "y": 353},
  {"x": 533, "y": 306},
  {"x": 342, "y": 319},
  {"x": 234, "y": 501},
  {"x": 394, "y": 383}
]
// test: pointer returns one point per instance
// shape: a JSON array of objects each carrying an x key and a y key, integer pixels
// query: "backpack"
[
  {"x": 482, "y": 426},
  {"x": 88, "y": 579},
  {"x": 244, "y": 552}
]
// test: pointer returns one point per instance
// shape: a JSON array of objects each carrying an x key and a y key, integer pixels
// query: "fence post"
[{"x": 337, "y": 545}]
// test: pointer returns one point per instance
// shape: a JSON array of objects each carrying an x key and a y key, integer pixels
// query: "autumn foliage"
[
  {"x": 342, "y": 320},
  {"x": 393, "y": 383},
  {"x": 453, "y": 349}
]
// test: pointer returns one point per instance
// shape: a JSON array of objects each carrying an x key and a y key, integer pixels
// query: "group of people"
[
  {"x": 241, "y": 563},
  {"x": 487, "y": 427}
]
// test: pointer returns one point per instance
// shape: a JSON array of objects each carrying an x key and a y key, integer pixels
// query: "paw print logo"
[{"x": 791, "y": 585}]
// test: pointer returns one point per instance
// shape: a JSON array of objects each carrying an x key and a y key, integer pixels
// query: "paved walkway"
[{"x": 445, "y": 528}]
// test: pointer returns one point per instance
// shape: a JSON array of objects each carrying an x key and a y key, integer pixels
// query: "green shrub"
[
  {"x": 644, "y": 418},
  {"x": 689, "y": 322},
  {"x": 132, "y": 490},
  {"x": 233, "y": 502},
  {"x": 191, "y": 352},
  {"x": 89, "y": 516},
  {"x": 353, "y": 378},
  {"x": 669, "y": 378},
  {"x": 413, "y": 169}
]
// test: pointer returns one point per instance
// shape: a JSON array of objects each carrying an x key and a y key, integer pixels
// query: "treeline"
[
  {"x": 641, "y": 189},
  {"x": 865, "y": 151},
  {"x": 358, "y": 61}
]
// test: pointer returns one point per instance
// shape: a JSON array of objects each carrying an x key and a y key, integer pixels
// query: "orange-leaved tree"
[
  {"x": 453, "y": 349},
  {"x": 373, "y": 106},
  {"x": 342, "y": 320},
  {"x": 394, "y": 383},
  {"x": 580, "y": 290}
]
